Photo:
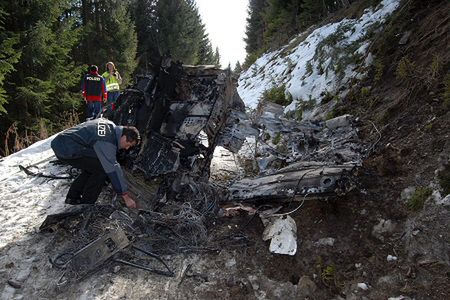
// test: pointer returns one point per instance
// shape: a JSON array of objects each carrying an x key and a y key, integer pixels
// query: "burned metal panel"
[
  {"x": 316, "y": 181},
  {"x": 171, "y": 108},
  {"x": 237, "y": 129},
  {"x": 158, "y": 157},
  {"x": 90, "y": 257}
]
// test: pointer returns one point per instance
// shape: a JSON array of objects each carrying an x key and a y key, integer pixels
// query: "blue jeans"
[
  {"x": 93, "y": 109},
  {"x": 112, "y": 98}
]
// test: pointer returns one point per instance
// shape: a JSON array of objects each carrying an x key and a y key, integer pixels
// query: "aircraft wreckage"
[{"x": 183, "y": 113}]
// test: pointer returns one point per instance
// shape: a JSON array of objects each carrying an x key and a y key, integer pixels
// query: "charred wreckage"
[{"x": 183, "y": 113}]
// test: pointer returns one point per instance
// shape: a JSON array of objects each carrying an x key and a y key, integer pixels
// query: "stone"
[
  {"x": 329, "y": 241},
  {"x": 391, "y": 258},
  {"x": 230, "y": 263},
  {"x": 254, "y": 282},
  {"x": 444, "y": 201},
  {"x": 388, "y": 281},
  {"x": 407, "y": 193},
  {"x": 383, "y": 228},
  {"x": 363, "y": 286},
  {"x": 306, "y": 286}
]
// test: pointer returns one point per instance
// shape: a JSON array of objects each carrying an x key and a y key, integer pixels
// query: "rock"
[
  {"x": 383, "y": 228},
  {"x": 407, "y": 193},
  {"x": 230, "y": 263},
  {"x": 329, "y": 241},
  {"x": 388, "y": 281},
  {"x": 306, "y": 286},
  {"x": 341, "y": 121},
  {"x": 265, "y": 288},
  {"x": 363, "y": 286},
  {"x": 369, "y": 59},
  {"x": 444, "y": 201},
  {"x": 15, "y": 284},
  {"x": 391, "y": 258},
  {"x": 116, "y": 269},
  {"x": 401, "y": 297},
  {"x": 23, "y": 274},
  {"x": 254, "y": 282},
  {"x": 431, "y": 242}
]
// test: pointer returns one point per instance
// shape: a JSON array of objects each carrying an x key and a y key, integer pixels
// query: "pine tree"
[
  {"x": 237, "y": 69},
  {"x": 205, "y": 53},
  {"x": 108, "y": 35},
  {"x": 281, "y": 21},
  {"x": 145, "y": 17},
  {"x": 43, "y": 83},
  {"x": 8, "y": 57},
  {"x": 216, "y": 58},
  {"x": 171, "y": 27},
  {"x": 255, "y": 26}
]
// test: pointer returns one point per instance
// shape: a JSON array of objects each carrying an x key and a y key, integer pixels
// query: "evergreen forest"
[{"x": 47, "y": 45}]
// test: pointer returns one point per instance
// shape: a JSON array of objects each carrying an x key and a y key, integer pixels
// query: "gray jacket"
[{"x": 98, "y": 138}]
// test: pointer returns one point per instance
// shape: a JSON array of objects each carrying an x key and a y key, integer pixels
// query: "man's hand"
[{"x": 129, "y": 202}]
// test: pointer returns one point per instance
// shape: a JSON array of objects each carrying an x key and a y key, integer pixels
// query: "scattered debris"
[
  {"x": 282, "y": 231},
  {"x": 183, "y": 113}
]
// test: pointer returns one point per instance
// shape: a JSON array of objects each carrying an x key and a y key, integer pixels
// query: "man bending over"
[{"x": 92, "y": 147}]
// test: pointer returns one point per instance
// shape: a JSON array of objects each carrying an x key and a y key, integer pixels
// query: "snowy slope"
[
  {"x": 324, "y": 61},
  {"x": 25, "y": 201}
]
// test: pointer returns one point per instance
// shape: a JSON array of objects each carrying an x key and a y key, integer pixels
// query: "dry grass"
[{"x": 14, "y": 141}]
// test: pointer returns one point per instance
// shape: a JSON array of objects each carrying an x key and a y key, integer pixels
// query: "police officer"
[
  {"x": 94, "y": 92},
  {"x": 92, "y": 147}
]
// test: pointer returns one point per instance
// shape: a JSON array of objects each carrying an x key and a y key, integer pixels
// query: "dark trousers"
[
  {"x": 93, "y": 109},
  {"x": 86, "y": 188}
]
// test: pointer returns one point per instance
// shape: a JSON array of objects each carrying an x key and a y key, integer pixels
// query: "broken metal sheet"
[
  {"x": 171, "y": 108},
  {"x": 51, "y": 222},
  {"x": 237, "y": 129},
  {"x": 90, "y": 257},
  {"x": 158, "y": 157},
  {"x": 282, "y": 231},
  {"x": 320, "y": 180},
  {"x": 285, "y": 141}
]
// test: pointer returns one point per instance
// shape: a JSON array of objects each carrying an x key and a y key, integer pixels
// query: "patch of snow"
[{"x": 27, "y": 200}]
